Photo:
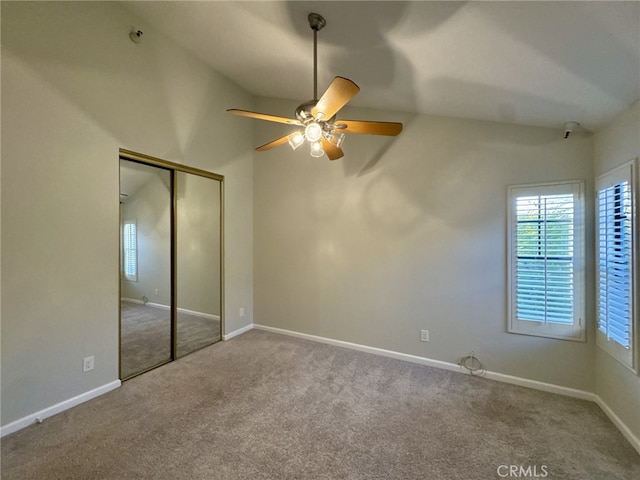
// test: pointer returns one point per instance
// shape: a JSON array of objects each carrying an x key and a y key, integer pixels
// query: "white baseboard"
[
  {"x": 210, "y": 316},
  {"x": 132, "y": 300},
  {"x": 235, "y": 333},
  {"x": 500, "y": 377},
  {"x": 628, "y": 434},
  {"x": 161, "y": 306},
  {"x": 545, "y": 387},
  {"x": 37, "y": 417},
  {"x": 364, "y": 348},
  {"x": 167, "y": 307}
]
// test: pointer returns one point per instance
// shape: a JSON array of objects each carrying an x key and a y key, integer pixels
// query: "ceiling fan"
[{"x": 317, "y": 118}]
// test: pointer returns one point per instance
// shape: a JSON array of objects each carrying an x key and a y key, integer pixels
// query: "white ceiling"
[{"x": 532, "y": 63}]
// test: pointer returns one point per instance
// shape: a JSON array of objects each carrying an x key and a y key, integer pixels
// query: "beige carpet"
[{"x": 266, "y": 406}]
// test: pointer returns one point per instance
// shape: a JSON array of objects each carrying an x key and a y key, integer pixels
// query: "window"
[
  {"x": 130, "y": 251},
  {"x": 546, "y": 260},
  {"x": 615, "y": 269}
]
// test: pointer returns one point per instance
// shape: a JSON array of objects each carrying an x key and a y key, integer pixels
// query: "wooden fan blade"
[
  {"x": 336, "y": 96},
  {"x": 372, "y": 128},
  {"x": 333, "y": 152},
  {"x": 264, "y": 116},
  {"x": 275, "y": 143}
]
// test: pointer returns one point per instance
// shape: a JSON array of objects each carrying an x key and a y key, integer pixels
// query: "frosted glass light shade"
[
  {"x": 313, "y": 132},
  {"x": 337, "y": 139},
  {"x": 316, "y": 149},
  {"x": 295, "y": 139}
]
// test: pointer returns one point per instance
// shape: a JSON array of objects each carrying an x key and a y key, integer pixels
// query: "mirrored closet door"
[
  {"x": 145, "y": 270},
  {"x": 198, "y": 268},
  {"x": 170, "y": 261}
]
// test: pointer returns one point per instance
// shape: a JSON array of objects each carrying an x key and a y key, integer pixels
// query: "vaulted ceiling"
[{"x": 532, "y": 63}]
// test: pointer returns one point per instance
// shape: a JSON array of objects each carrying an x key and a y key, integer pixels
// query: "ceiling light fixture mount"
[
  {"x": 316, "y": 21},
  {"x": 317, "y": 117},
  {"x": 135, "y": 35}
]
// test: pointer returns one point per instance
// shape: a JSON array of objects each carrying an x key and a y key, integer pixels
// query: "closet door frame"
[{"x": 174, "y": 168}]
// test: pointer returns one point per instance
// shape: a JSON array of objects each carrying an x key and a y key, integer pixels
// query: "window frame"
[
  {"x": 127, "y": 276},
  {"x": 627, "y": 357},
  {"x": 576, "y": 331}
]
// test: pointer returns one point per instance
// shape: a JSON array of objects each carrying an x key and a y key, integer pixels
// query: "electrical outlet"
[
  {"x": 424, "y": 335},
  {"x": 241, "y": 311},
  {"x": 87, "y": 363},
  {"x": 157, "y": 291}
]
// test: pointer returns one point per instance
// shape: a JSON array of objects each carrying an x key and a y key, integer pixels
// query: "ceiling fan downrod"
[{"x": 316, "y": 22}]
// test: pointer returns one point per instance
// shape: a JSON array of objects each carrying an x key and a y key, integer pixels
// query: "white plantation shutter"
[
  {"x": 130, "y": 251},
  {"x": 544, "y": 240},
  {"x": 614, "y": 272},
  {"x": 546, "y": 260},
  {"x": 615, "y": 262}
]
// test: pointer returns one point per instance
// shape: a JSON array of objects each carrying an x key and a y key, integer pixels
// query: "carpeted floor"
[
  {"x": 146, "y": 336},
  {"x": 267, "y": 406}
]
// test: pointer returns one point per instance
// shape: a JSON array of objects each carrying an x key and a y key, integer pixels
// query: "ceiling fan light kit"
[{"x": 317, "y": 118}]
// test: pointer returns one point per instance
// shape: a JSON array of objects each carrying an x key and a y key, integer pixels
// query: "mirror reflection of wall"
[
  {"x": 171, "y": 275},
  {"x": 198, "y": 262}
]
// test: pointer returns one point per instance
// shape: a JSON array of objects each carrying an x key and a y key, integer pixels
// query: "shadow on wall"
[
  {"x": 97, "y": 68},
  {"x": 451, "y": 173},
  {"x": 150, "y": 96}
]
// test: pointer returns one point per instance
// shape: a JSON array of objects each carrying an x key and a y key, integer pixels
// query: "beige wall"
[
  {"x": 409, "y": 233},
  {"x": 72, "y": 94},
  {"x": 618, "y": 386}
]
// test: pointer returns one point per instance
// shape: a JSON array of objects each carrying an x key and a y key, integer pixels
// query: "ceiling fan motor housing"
[
  {"x": 303, "y": 111},
  {"x": 304, "y": 115}
]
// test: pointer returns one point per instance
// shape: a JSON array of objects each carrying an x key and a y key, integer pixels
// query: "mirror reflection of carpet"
[{"x": 146, "y": 336}]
